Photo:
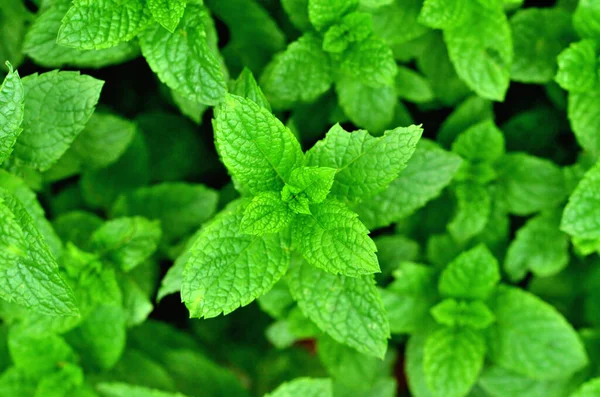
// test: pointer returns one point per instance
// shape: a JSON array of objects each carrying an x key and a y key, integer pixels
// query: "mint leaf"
[
  {"x": 590, "y": 388},
  {"x": 453, "y": 313},
  {"x": 452, "y": 360},
  {"x": 469, "y": 113},
  {"x": 413, "y": 87},
  {"x": 584, "y": 119},
  {"x": 297, "y": 12},
  {"x": 301, "y": 73},
  {"x": 312, "y": 182},
  {"x": 585, "y": 19},
  {"x": 359, "y": 320},
  {"x": 531, "y": 338},
  {"x": 227, "y": 269},
  {"x": 397, "y": 23},
  {"x": 256, "y": 148},
  {"x": 577, "y": 67},
  {"x": 266, "y": 214},
  {"x": 167, "y": 12},
  {"x": 304, "y": 387},
  {"x": 127, "y": 241},
  {"x": 116, "y": 389},
  {"x": 246, "y": 87},
  {"x": 333, "y": 239},
  {"x": 474, "y": 206},
  {"x": 45, "y": 138},
  {"x": 581, "y": 215},
  {"x": 427, "y": 173},
  {"x": 38, "y": 356},
  {"x": 482, "y": 142},
  {"x": 323, "y": 13},
  {"x": 498, "y": 382},
  {"x": 85, "y": 25},
  {"x": 472, "y": 275},
  {"x": 12, "y": 97},
  {"x": 371, "y": 62},
  {"x": 32, "y": 280},
  {"x": 183, "y": 60},
  {"x": 16, "y": 18},
  {"x": 367, "y": 165},
  {"x": 354, "y": 27},
  {"x": 539, "y": 246},
  {"x": 441, "y": 14}
]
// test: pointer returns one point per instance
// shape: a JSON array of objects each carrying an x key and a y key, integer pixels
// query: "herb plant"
[{"x": 299, "y": 198}]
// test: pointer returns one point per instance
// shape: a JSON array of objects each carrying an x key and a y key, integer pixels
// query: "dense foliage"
[{"x": 311, "y": 198}]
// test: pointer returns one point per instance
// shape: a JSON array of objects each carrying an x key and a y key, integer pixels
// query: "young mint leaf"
[
  {"x": 412, "y": 86},
  {"x": 256, "y": 148},
  {"x": 371, "y": 62},
  {"x": 354, "y": 27},
  {"x": 481, "y": 50},
  {"x": 367, "y": 165},
  {"x": 530, "y": 184},
  {"x": 167, "y": 12},
  {"x": 474, "y": 205},
  {"x": 444, "y": 14},
  {"x": 585, "y": 19},
  {"x": 472, "y": 275},
  {"x": 323, "y": 13},
  {"x": 304, "y": 387},
  {"x": 469, "y": 113},
  {"x": 481, "y": 142},
  {"x": 12, "y": 99},
  {"x": 539, "y": 246},
  {"x": 127, "y": 241},
  {"x": 359, "y": 320},
  {"x": 301, "y": 73},
  {"x": 45, "y": 138},
  {"x": 266, "y": 214},
  {"x": 590, "y": 388},
  {"x": 577, "y": 67},
  {"x": 38, "y": 356},
  {"x": 246, "y": 87},
  {"x": 97, "y": 24},
  {"x": 117, "y": 389},
  {"x": 227, "y": 269},
  {"x": 136, "y": 303},
  {"x": 427, "y": 173},
  {"x": 184, "y": 60},
  {"x": 531, "y": 338},
  {"x": 312, "y": 182},
  {"x": 333, "y": 239},
  {"x": 32, "y": 280},
  {"x": 470, "y": 314},
  {"x": 452, "y": 360},
  {"x": 582, "y": 213}
]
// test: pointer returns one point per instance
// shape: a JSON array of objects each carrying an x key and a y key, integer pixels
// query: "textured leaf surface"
[
  {"x": 304, "y": 387},
  {"x": 482, "y": 142},
  {"x": 323, "y": 13},
  {"x": 577, "y": 67},
  {"x": 498, "y": 382},
  {"x": 351, "y": 312},
  {"x": 531, "y": 338},
  {"x": 266, "y": 214},
  {"x": 312, "y": 182},
  {"x": 183, "y": 60},
  {"x": 38, "y": 356},
  {"x": 443, "y": 14},
  {"x": 474, "y": 206},
  {"x": 581, "y": 217},
  {"x": 365, "y": 165},
  {"x": 257, "y": 149},
  {"x": 453, "y": 358},
  {"x": 470, "y": 112},
  {"x": 57, "y": 108},
  {"x": 471, "y": 314},
  {"x": 247, "y": 87},
  {"x": 427, "y": 173},
  {"x": 12, "y": 98},
  {"x": 371, "y": 62},
  {"x": 333, "y": 239},
  {"x": 584, "y": 115},
  {"x": 227, "y": 269},
  {"x": 167, "y": 12},
  {"x": 585, "y": 19}
]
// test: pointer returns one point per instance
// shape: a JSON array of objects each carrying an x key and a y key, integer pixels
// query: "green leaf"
[
  {"x": 297, "y": 12},
  {"x": 539, "y": 246},
  {"x": 180, "y": 207},
  {"x": 15, "y": 21},
  {"x": 351, "y": 312},
  {"x": 227, "y": 269},
  {"x": 499, "y": 382},
  {"x": 585, "y": 120},
  {"x": 354, "y": 27},
  {"x": 481, "y": 50},
  {"x": 46, "y": 137},
  {"x": 530, "y": 184},
  {"x": 12, "y": 103},
  {"x": 38, "y": 356},
  {"x": 370, "y": 62},
  {"x": 323, "y": 13},
  {"x": 183, "y": 60},
  {"x": 365, "y": 165},
  {"x": 266, "y": 214},
  {"x": 531, "y": 338},
  {"x": 481, "y": 142},
  {"x": 304, "y": 387},
  {"x": 470, "y": 314},
  {"x": 427, "y": 173},
  {"x": 469, "y": 113},
  {"x": 85, "y": 25},
  {"x": 539, "y": 35},
  {"x": 333, "y": 239},
  {"x": 440, "y": 14},
  {"x": 30, "y": 276},
  {"x": 472, "y": 275},
  {"x": 116, "y": 389},
  {"x": 590, "y": 388},
  {"x": 581, "y": 217},
  {"x": 259, "y": 151},
  {"x": 167, "y": 12},
  {"x": 301, "y": 73},
  {"x": 246, "y": 87},
  {"x": 397, "y": 22},
  {"x": 585, "y": 19},
  {"x": 313, "y": 182},
  {"x": 577, "y": 67},
  {"x": 61, "y": 383},
  {"x": 136, "y": 303},
  {"x": 412, "y": 86},
  {"x": 452, "y": 361},
  {"x": 127, "y": 241},
  {"x": 474, "y": 205}
]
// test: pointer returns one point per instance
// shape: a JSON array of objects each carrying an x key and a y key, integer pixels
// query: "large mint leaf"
[
  {"x": 257, "y": 149},
  {"x": 184, "y": 60},
  {"x": 333, "y": 239},
  {"x": 581, "y": 217},
  {"x": 167, "y": 12},
  {"x": 351, "y": 311},
  {"x": 12, "y": 103},
  {"x": 531, "y": 338},
  {"x": 365, "y": 165},
  {"x": 227, "y": 269},
  {"x": 57, "y": 108},
  {"x": 370, "y": 62}
]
